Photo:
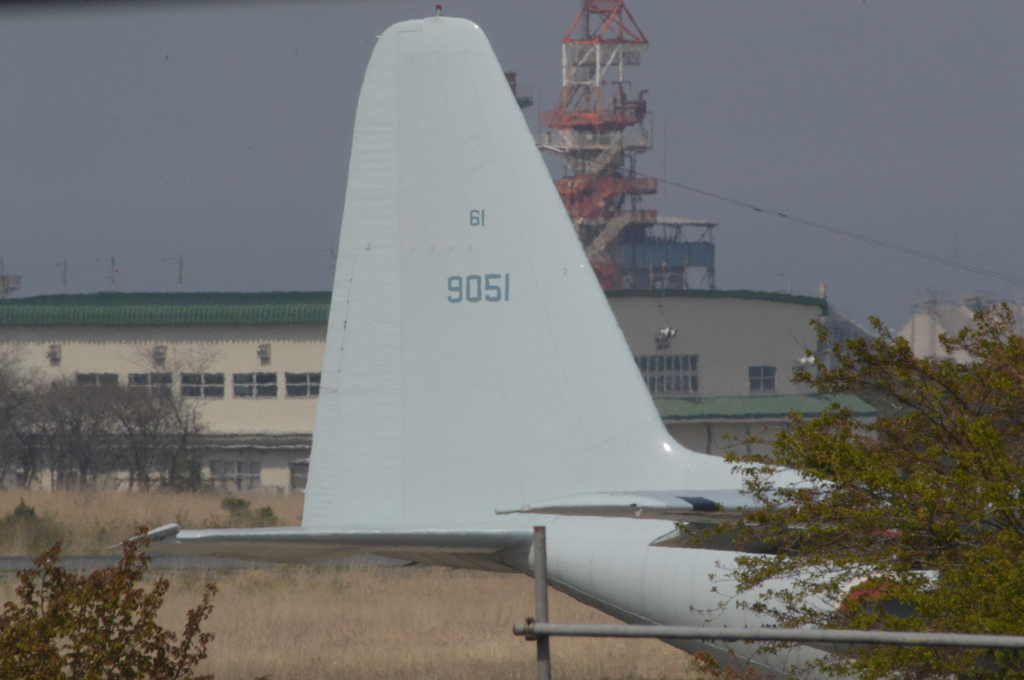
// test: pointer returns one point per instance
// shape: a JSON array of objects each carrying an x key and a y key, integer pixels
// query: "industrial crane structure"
[{"x": 598, "y": 128}]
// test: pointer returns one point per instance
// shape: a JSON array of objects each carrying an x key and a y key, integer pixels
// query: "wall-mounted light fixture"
[
  {"x": 263, "y": 352},
  {"x": 804, "y": 364},
  {"x": 53, "y": 354},
  {"x": 159, "y": 355},
  {"x": 663, "y": 340}
]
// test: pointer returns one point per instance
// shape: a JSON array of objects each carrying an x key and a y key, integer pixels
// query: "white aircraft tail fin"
[{"x": 472, "y": 360}]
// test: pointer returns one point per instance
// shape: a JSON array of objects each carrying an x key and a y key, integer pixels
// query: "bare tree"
[
  {"x": 78, "y": 432},
  {"x": 27, "y": 437},
  {"x": 77, "y": 428},
  {"x": 10, "y": 398},
  {"x": 180, "y": 463},
  {"x": 140, "y": 425},
  {"x": 20, "y": 436},
  {"x": 158, "y": 423}
]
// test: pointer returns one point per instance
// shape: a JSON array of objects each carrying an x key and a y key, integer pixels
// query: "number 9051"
[{"x": 474, "y": 288}]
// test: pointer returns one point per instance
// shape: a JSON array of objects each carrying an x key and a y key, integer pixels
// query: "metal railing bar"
[
  {"x": 540, "y": 594},
  {"x": 540, "y": 630},
  {"x": 833, "y": 636}
]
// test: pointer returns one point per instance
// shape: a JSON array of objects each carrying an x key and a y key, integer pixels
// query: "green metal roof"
[
  {"x": 736, "y": 294},
  {"x": 156, "y": 309},
  {"x": 773, "y": 406}
]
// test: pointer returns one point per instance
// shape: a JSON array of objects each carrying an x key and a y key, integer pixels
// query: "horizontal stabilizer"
[
  {"x": 463, "y": 546},
  {"x": 708, "y": 507}
]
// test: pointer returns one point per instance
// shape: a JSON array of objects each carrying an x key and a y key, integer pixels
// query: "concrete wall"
[{"x": 727, "y": 334}]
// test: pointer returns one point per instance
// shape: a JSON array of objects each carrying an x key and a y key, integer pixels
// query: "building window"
[
  {"x": 669, "y": 374},
  {"x": 96, "y": 378},
  {"x": 235, "y": 475},
  {"x": 255, "y": 384},
  {"x": 157, "y": 383},
  {"x": 302, "y": 384},
  {"x": 209, "y": 385},
  {"x": 762, "y": 378},
  {"x": 299, "y": 472}
]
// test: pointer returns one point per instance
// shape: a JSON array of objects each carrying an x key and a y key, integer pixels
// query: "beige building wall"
[{"x": 198, "y": 348}]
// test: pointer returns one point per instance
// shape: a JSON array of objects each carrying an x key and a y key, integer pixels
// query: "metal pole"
[
  {"x": 801, "y": 635},
  {"x": 540, "y": 598}
]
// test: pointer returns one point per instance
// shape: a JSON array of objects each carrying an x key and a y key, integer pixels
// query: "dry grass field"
[
  {"x": 312, "y": 623},
  {"x": 87, "y": 522},
  {"x": 399, "y": 623}
]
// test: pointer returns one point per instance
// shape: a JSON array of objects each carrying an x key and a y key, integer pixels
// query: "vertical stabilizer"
[{"x": 472, "y": 360}]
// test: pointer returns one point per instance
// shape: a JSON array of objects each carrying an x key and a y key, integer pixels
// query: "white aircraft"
[{"x": 473, "y": 365}]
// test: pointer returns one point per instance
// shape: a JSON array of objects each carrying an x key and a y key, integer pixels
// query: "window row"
[
  {"x": 669, "y": 374},
  {"x": 236, "y": 475},
  {"x": 212, "y": 385},
  {"x": 676, "y": 374},
  {"x": 667, "y": 362}
]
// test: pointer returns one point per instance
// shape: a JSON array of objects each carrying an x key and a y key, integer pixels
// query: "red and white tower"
[{"x": 598, "y": 128}]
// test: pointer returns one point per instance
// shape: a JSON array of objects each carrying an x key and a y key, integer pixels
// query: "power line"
[{"x": 842, "y": 232}]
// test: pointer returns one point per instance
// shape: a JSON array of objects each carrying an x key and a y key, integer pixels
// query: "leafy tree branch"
[{"x": 912, "y": 522}]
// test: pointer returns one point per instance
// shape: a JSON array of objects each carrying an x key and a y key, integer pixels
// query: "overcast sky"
[{"x": 221, "y": 133}]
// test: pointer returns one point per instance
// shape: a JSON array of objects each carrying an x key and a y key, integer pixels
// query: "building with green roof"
[
  {"x": 716, "y": 425},
  {"x": 251, "y": 359},
  {"x": 718, "y": 343},
  {"x": 717, "y": 362},
  {"x": 166, "y": 309}
]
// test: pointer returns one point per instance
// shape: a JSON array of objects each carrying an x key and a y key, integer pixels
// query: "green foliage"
[
  {"x": 914, "y": 522},
  {"x": 97, "y": 626},
  {"x": 236, "y": 507},
  {"x": 264, "y": 517},
  {"x": 241, "y": 516},
  {"x": 23, "y": 527},
  {"x": 22, "y": 511}
]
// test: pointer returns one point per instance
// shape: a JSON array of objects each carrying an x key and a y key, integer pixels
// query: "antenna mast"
[{"x": 8, "y": 282}]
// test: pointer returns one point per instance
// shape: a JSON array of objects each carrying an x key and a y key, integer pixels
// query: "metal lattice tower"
[{"x": 598, "y": 128}]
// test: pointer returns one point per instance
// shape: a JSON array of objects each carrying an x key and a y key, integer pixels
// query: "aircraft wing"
[
  {"x": 695, "y": 513},
  {"x": 453, "y": 545},
  {"x": 705, "y": 507}
]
